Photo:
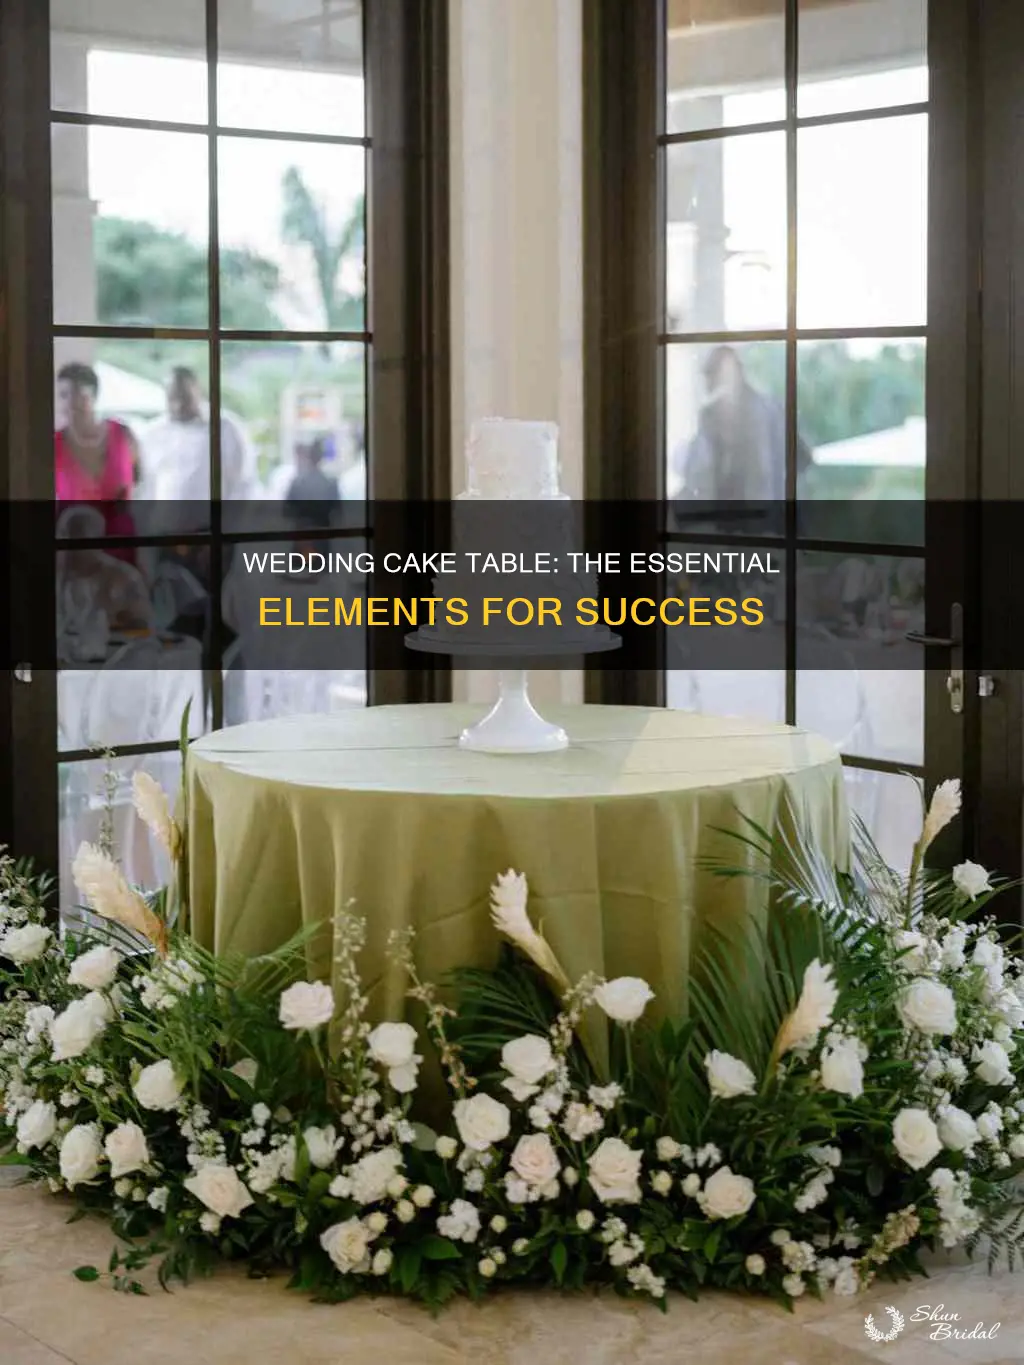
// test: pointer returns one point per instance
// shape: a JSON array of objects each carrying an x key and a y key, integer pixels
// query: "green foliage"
[
  {"x": 146, "y": 274},
  {"x": 843, "y": 394},
  {"x": 305, "y": 222}
]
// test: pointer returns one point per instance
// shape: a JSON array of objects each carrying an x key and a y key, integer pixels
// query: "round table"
[{"x": 293, "y": 819}]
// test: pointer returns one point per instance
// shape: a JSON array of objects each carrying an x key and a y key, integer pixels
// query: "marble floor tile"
[
  {"x": 49, "y": 1318},
  {"x": 18, "y": 1348}
]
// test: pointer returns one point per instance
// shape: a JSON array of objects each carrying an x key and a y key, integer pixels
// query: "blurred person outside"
[
  {"x": 96, "y": 459},
  {"x": 739, "y": 450},
  {"x": 176, "y": 453},
  {"x": 309, "y": 483},
  {"x": 96, "y": 591}
]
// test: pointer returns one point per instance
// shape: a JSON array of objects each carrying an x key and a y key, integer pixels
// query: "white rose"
[
  {"x": 528, "y": 1059},
  {"x": 992, "y": 1064},
  {"x": 989, "y": 956},
  {"x": 912, "y": 948},
  {"x": 24, "y": 945},
  {"x": 624, "y": 999},
  {"x": 1016, "y": 1146},
  {"x": 74, "y": 1031},
  {"x": 957, "y": 1130},
  {"x": 446, "y": 1147},
  {"x": 80, "y": 1154},
  {"x": 990, "y": 1125},
  {"x": 96, "y": 969},
  {"x": 614, "y": 1172},
  {"x": 382, "y": 1261},
  {"x": 691, "y": 1185},
  {"x": 220, "y": 1189},
  {"x": 668, "y": 1149},
  {"x": 306, "y": 1006},
  {"x": 36, "y": 1126},
  {"x": 726, "y": 1195},
  {"x": 928, "y": 1006},
  {"x": 755, "y": 1264},
  {"x": 403, "y": 1078},
  {"x": 953, "y": 948},
  {"x": 157, "y": 1087},
  {"x": 972, "y": 879},
  {"x": 842, "y": 1068},
  {"x": 916, "y": 1138},
  {"x": 482, "y": 1121},
  {"x": 126, "y": 1149},
  {"x": 321, "y": 1144},
  {"x": 728, "y": 1076},
  {"x": 535, "y": 1160},
  {"x": 348, "y": 1244},
  {"x": 372, "y": 1174},
  {"x": 37, "y": 1023},
  {"x": 661, "y": 1182},
  {"x": 392, "y": 1045}
]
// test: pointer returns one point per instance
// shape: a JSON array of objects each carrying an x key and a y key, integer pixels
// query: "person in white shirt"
[{"x": 176, "y": 451}]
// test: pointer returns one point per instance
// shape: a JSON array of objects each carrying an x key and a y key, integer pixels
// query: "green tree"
[
  {"x": 305, "y": 222},
  {"x": 841, "y": 394},
  {"x": 144, "y": 274}
]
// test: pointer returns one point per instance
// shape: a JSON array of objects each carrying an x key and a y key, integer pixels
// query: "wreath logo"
[{"x": 898, "y": 1323}]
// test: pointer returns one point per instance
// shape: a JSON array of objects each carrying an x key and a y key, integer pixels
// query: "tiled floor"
[{"x": 49, "y": 1318}]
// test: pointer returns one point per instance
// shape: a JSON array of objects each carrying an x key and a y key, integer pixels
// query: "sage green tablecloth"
[{"x": 292, "y": 819}]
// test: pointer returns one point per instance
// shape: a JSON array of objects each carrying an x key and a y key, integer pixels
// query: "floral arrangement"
[{"x": 867, "y": 1101}]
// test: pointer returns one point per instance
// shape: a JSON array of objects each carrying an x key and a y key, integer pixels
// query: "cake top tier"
[{"x": 506, "y": 458}]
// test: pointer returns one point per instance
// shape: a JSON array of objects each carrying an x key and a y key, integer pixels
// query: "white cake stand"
[{"x": 513, "y": 725}]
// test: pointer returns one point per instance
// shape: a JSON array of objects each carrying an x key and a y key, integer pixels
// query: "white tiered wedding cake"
[{"x": 514, "y": 463}]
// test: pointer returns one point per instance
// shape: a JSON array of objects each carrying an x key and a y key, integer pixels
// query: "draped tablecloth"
[{"x": 291, "y": 820}]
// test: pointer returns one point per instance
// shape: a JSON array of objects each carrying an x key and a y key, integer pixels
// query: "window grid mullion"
[{"x": 213, "y": 674}]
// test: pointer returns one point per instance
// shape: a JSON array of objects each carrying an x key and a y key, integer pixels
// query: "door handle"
[
  {"x": 954, "y": 642},
  {"x": 917, "y": 637}
]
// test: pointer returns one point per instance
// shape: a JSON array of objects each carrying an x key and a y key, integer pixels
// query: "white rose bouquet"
[{"x": 846, "y": 1090}]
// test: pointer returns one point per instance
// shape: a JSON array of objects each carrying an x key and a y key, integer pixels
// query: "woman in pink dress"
[{"x": 96, "y": 459}]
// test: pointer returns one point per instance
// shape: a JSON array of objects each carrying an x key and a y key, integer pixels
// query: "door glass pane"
[
  {"x": 292, "y": 232},
  {"x": 301, "y": 407},
  {"x": 291, "y": 66},
  {"x": 726, "y": 63},
  {"x": 858, "y": 679},
  {"x": 861, "y": 54},
  {"x": 861, "y": 406},
  {"x": 96, "y": 807},
  {"x": 890, "y": 806},
  {"x": 146, "y": 59},
  {"x": 862, "y": 223},
  {"x": 726, "y": 233},
  {"x": 872, "y": 713},
  {"x": 130, "y": 227},
  {"x": 725, "y": 422},
  {"x": 271, "y": 669},
  {"x": 133, "y": 432},
  {"x": 759, "y": 693}
]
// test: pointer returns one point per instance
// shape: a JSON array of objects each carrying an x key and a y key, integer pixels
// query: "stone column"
[{"x": 517, "y": 238}]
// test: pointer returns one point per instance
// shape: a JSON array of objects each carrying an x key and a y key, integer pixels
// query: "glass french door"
[
  {"x": 233, "y": 307},
  {"x": 795, "y": 187},
  {"x": 786, "y": 304}
]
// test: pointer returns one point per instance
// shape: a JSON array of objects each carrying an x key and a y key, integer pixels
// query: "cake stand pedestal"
[{"x": 513, "y": 725}]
